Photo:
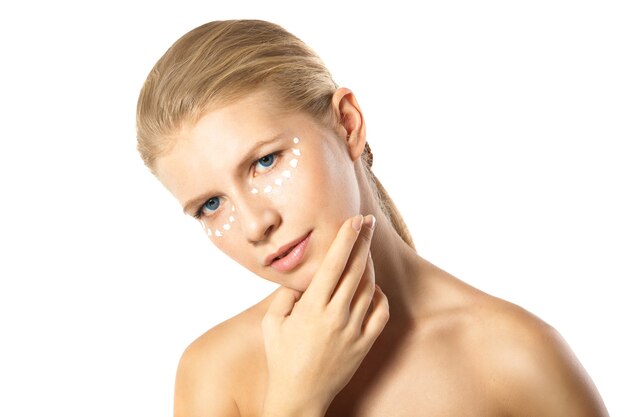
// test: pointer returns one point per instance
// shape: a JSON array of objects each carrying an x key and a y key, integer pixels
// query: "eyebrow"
[{"x": 244, "y": 161}]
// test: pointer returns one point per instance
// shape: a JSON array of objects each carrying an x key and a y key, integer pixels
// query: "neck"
[{"x": 397, "y": 270}]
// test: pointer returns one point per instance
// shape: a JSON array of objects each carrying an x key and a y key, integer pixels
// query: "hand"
[{"x": 316, "y": 340}]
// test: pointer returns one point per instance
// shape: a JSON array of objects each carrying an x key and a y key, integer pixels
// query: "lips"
[{"x": 289, "y": 255}]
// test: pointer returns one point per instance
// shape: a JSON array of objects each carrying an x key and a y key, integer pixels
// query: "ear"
[{"x": 351, "y": 123}]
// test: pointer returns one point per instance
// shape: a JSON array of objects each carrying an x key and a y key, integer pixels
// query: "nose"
[{"x": 258, "y": 218}]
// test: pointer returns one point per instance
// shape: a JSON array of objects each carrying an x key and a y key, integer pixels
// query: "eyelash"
[{"x": 199, "y": 213}]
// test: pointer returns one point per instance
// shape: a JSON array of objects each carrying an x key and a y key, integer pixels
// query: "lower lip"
[{"x": 294, "y": 257}]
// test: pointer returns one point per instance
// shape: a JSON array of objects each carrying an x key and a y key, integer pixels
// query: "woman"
[{"x": 244, "y": 125}]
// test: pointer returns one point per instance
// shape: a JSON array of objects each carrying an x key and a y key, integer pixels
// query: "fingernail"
[
  {"x": 370, "y": 221},
  {"x": 357, "y": 222}
]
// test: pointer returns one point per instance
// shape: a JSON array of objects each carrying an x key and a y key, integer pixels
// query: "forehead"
[{"x": 244, "y": 119}]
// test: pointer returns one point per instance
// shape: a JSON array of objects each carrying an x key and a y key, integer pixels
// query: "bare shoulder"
[
  {"x": 212, "y": 368},
  {"x": 527, "y": 364}
]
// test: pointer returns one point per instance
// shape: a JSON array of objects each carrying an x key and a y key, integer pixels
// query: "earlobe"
[{"x": 351, "y": 123}]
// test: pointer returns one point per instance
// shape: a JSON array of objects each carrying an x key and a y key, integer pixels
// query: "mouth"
[{"x": 290, "y": 255}]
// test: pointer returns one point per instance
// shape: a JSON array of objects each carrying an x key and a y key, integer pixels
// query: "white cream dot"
[
  {"x": 226, "y": 226},
  {"x": 231, "y": 219},
  {"x": 296, "y": 140},
  {"x": 254, "y": 191},
  {"x": 287, "y": 174},
  {"x": 278, "y": 181},
  {"x": 218, "y": 233},
  {"x": 208, "y": 232},
  {"x": 296, "y": 152},
  {"x": 233, "y": 208},
  {"x": 268, "y": 189},
  {"x": 293, "y": 163}
]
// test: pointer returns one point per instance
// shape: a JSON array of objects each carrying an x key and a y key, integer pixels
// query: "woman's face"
[{"x": 260, "y": 181}]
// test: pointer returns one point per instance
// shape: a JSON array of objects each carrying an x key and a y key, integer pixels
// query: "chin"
[{"x": 299, "y": 282}]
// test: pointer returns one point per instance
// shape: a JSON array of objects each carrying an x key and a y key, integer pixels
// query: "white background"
[{"x": 497, "y": 127}]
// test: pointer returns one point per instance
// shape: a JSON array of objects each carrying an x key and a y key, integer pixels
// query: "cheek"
[
  {"x": 222, "y": 224},
  {"x": 225, "y": 234},
  {"x": 335, "y": 181}
]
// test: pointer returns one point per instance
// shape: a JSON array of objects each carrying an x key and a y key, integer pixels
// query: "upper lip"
[{"x": 285, "y": 248}]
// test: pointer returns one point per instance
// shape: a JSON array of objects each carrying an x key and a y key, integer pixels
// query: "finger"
[
  {"x": 375, "y": 322},
  {"x": 363, "y": 298},
  {"x": 282, "y": 304},
  {"x": 356, "y": 265},
  {"x": 325, "y": 280}
]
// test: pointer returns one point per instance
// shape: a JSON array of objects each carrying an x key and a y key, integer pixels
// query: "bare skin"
[{"x": 434, "y": 346}]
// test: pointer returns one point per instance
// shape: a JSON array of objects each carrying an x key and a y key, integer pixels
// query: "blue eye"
[
  {"x": 267, "y": 161},
  {"x": 211, "y": 205}
]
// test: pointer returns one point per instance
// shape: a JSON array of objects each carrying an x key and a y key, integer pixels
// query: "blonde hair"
[{"x": 222, "y": 61}]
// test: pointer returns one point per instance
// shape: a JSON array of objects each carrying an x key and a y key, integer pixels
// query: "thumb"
[{"x": 282, "y": 304}]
